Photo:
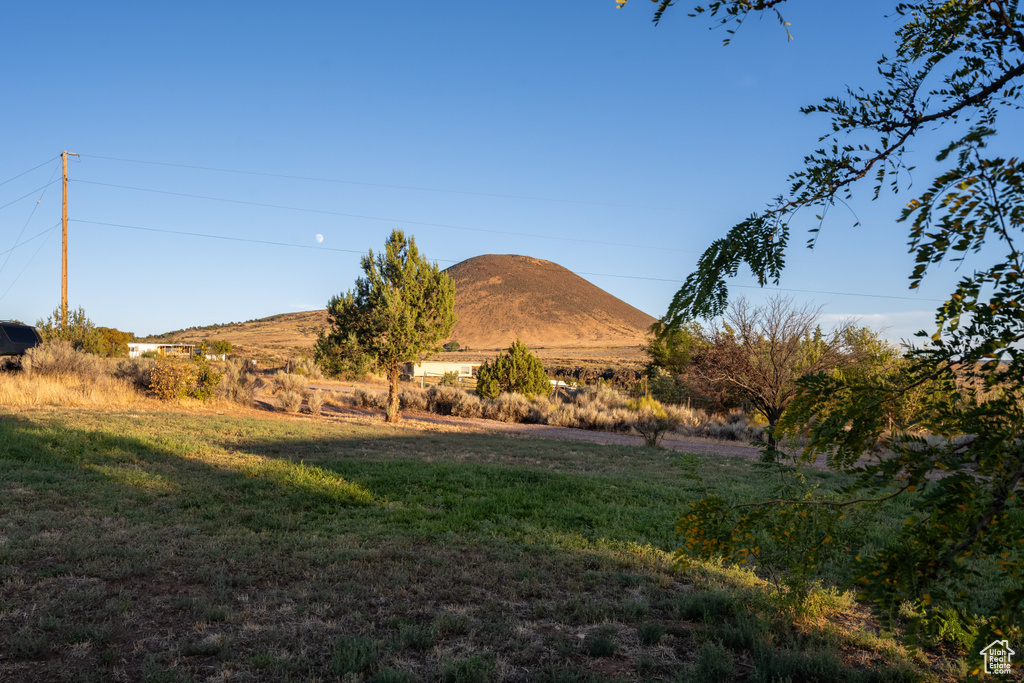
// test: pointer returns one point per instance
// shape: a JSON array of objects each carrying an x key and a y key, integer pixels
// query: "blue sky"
[{"x": 571, "y": 131}]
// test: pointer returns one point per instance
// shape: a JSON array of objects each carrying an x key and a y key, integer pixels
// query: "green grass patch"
[{"x": 174, "y": 546}]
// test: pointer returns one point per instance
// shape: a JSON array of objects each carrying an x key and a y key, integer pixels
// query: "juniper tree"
[
  {"x": 517, "y": 370},
  {"x": 398, "y": 312}
]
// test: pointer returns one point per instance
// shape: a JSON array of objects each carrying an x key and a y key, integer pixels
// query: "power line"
[
  {"x": 28, "y": 171},
  {"x": 28, "y": 220},
  {"x": 48, "y": 232},
  {"x": 627, "y": 277},
  {"x": 215, "y": 237},
  {"x": 15, "y": 201},
  {"x": 577, "y": 240},
  {"x": 379, "y": 218},
  {"x": 30, "y": 239},
  {"x": 399, "y": 187}
]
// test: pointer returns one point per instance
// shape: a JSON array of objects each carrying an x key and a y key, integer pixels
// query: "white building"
[
  {"x": 438, "y": 369},
  {"x": 136, "y": 349}
]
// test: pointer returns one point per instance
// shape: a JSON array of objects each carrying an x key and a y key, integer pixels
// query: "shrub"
[
  {"x": 450, "y": 379},
  {"x": 650, "y": 633},
  {"x": 284, "y": 381},
  {"x": 441, "y": 399},
  {"x": 541, "y": 410},
  {"x": 646, "y": 404},
  {"x": 413, "y": 399},
  {"x": 599, "y": 645},
  {"x": 338, "y": 399},
  {"x": 688, "y": 417},
  {"x": 60, "y": 359},
  {"x": 370, "y": 399},
  {"x": 290, "y": 400},
  {"x": 508, "y": 408},
  {"x": 714, "y": 663},
  {"x": 601, "y": 396},
  {"x": 517, "y": 371},
  {"x": 653, "y": 427},
  {"x": 451, "y": 346},
  {"x": 304, "y": 367},
  {"x": 316, "y": 402},
  {"x": 171, "y": 380},
  {"x": 467, "y": 405},
  {"x": 135, "y": 371},
  {"x": 239, "y": 382},
  {"x": 205, "y": 378},
  {"x": 564, "y": 416}
]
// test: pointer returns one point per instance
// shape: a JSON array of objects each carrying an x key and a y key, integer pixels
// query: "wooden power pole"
[{"x": 64, "y": 244}]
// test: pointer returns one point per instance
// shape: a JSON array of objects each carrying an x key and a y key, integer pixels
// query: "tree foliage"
[
  {"x": 341, "y": 356},
  {"x": 955, "y": 69},
  {"x": 517, "y": 370},
  {"x": 762, "y": 352},
  {"x": 671, "y": 348},
  {"x": 220, "y": 346},
  {"x": 79, "y": 330},
  {"x": 113, "y": 343},
  {"x": 83, "y": 334},
  {"x": 398, "y": 312}
]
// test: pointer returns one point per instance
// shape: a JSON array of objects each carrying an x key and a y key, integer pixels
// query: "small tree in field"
[
  {"x": 221, "y": 346},
  {"x": 763, "y": 351},
  {"x": 517, "y": 370},
  {"x": 398, "y": 313}
]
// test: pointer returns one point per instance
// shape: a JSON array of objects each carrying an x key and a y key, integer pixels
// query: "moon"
[{"x": 319, "y": 238}]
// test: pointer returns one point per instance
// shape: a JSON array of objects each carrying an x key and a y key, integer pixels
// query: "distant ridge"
[{"x": 499, "y": 297}]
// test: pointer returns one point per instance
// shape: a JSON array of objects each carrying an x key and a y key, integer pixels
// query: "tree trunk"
[
  {"x": 392, "y": 414},
  {"x": 772, "y": 415}
]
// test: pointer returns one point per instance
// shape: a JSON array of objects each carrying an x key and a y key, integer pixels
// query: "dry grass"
[
  {"x": 20, "y": 391},
  {"x": 597, "y": 408}
]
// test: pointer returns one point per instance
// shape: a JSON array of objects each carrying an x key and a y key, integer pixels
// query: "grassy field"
[{"x": 189, "y": 545}]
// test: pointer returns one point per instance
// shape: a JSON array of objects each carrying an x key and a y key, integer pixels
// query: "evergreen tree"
[
  {"x": 398, "y": 312},
  {"x": 517, "y": 370}
]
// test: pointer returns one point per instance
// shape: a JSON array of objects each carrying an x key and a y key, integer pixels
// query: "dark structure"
[{"x": 17, "y": 338}]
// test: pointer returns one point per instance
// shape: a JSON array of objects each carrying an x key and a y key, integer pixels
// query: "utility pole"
[{"x": 64, "y": 244}]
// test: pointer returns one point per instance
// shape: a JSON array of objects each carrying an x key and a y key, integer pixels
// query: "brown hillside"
[
  {"x": 501, "y": 297},
  {"x": 273, "y": 339},
  {"x": 497, "y": 298}
]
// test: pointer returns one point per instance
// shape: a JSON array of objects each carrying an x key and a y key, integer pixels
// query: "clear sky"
[{"x": 569, "y": 131}]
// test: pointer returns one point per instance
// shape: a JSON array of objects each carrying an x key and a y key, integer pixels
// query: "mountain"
[{"x": 499, "y": 297}]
